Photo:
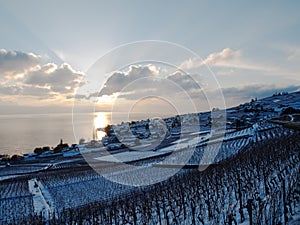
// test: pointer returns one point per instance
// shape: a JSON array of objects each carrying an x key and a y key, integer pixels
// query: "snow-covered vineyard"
[
  {"x": 257, "y": 186},
  {"x": 255, "y": 182},
  {"x": 247, "y": 175}
]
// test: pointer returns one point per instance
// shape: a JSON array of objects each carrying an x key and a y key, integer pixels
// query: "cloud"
[
  {"x": 235, "y": 95},
  {"x": 140, "y": 81},
  {"x": 10, "y": 90},
  {"x": 15, "y": 62},
  {"x": 246, "y": 92},
  {"x": 23, "y": 74},
  {"x": 225, "y": 58},
  {"x": 295, "y": 56},
  {"x": 41, "y": 93},
  {"x": 291, "y": 52},
  {"x": 61, "y": 80},
  {"x": 185, "y": 81},
  {"x": 119, "y": 80}
]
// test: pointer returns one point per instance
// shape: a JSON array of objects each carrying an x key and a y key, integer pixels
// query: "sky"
[{"x": 48, "y": 49}]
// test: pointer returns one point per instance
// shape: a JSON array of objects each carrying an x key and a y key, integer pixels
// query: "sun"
[{"x": 100, "y": 120}]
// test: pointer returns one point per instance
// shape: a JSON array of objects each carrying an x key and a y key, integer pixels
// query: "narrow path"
[{"x": 42, "y": 201}]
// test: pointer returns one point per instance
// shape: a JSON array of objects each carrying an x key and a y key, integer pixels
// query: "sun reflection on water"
[{"x": 100, "y": 121}]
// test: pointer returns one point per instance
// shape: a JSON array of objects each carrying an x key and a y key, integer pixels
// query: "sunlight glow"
[
  {"x": 100, "y": 121},
  {"x": 105, "y": 99},
  {"x": 100, "y": 135}
]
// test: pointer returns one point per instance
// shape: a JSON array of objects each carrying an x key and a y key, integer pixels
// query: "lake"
[{"x": 21, "y": 133}]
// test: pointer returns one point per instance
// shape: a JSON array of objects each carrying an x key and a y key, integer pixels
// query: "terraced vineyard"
[
  {"x": 257, "y": 186},
  {"x": 81, "y": 188},
  {"x": 16, "y": 204},
  {"x": 253, "y": 178}
]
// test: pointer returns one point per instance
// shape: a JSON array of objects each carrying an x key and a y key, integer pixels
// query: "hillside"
[{"x": 247, "y": 175}]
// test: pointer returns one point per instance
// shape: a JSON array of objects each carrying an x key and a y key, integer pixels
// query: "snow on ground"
[
  {"x": 139, "y": 155},
  {"x": 84, "y": 150},
  {"x": 42, "y": 200},
  {"x": 8, "y": 177},
  {"x": 187, "y": 142},
  {"x": 295, "y": 220},
  {"x": 71, "y": 153},
  {"x": 132, "y": 156}
]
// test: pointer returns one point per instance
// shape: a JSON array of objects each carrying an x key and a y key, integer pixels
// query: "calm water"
[{"x": 23, "y": 132}]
